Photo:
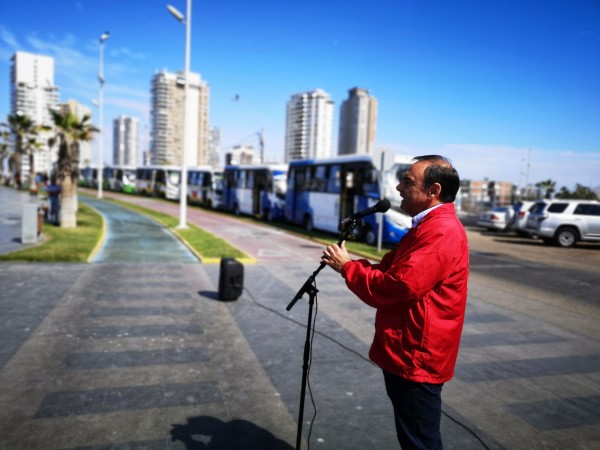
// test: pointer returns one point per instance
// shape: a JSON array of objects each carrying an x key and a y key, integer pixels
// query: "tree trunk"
[
  {"x": 68, "y": 216},
  {"x": 33, "y": 187}
]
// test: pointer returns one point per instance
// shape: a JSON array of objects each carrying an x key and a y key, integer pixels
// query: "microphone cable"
[{"x": 338, "y": 343}]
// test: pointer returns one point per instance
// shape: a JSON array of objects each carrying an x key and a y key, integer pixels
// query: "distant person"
[
  {"x": 420, "y": 292},
  {"x": 53, "y": 191}
]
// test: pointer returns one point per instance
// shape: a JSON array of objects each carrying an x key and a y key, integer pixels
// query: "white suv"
[{"x": 564, "y": 222}]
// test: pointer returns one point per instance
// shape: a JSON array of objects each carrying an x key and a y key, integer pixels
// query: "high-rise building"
[
  {"x": 358, "y": 122},
  {"x": 309, "y": 126},
  {"x": 126, "y": 133},
  {"x": 214, "y": 146},
  {"x": 167, "y": 119},
  {"x": 84, "y": 151},
  {"x": 33, "y": 93}
]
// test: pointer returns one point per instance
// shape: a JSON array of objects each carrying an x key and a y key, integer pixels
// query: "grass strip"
[{"x": 64, "y": 244}]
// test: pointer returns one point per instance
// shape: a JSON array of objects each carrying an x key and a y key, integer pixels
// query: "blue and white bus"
[
  {"x": 205, "y": 187},
  {"x": 257, "y": 190},
  {"x": 323, "y": 192}
]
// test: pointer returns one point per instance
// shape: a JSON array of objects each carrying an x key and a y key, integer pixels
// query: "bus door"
[
  {"x": 295, "y": 209},
  {"x": 244, "y": 191},
  {"x": 259, "y": 192},
  {"x": 348, "y": 192},
  {"x": 229, "y": 180}
]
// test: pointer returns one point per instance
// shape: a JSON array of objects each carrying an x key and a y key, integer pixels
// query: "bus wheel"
[
  {"x": 371, "y": 237},
  {"x": 308, "y": 223},
  {"x": 267, "y": 215}
]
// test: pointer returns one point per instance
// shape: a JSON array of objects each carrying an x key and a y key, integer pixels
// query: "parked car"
[
  {"x": 565, "y": 222},
  {"x": 519, "y": 220},
  {"x": 497, "y": 218}
]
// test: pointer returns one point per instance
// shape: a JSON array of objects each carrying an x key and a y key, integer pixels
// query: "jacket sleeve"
[{"x": 416, "y": 267}]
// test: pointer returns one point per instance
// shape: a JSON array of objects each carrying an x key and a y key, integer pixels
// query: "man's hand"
[{"x": 336, "y": 256}]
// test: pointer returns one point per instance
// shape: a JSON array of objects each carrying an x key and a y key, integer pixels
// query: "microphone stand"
[{"x": 309, "y": 287}]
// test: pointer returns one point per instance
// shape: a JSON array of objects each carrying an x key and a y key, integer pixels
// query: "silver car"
[
  {"x": 565, "y": 222},
  {"x": 497, "y": 218},
  {"x": 521, "y": 214}
]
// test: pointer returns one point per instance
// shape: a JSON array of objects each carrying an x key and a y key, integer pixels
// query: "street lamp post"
[
  {"x": 187, "y": 21},
  {"x": 103, "y": 38}
]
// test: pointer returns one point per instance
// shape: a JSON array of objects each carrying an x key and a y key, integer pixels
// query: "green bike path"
[{"x": 132, "y": 237}]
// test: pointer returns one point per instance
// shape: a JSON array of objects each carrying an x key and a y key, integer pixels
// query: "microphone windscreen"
[{"x": 383, "y": 205}]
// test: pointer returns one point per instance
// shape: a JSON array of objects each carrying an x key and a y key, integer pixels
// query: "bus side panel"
[
  {"x": 244, "y": 198},
  {"x": 325, "y": 211}
]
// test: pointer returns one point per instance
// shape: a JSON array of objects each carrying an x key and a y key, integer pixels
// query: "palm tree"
[
  {"x": 3, "y": 150},
  {"x": 25, "y": 131},
  {"x": 70, "y": 131},
  {"x": 547, "y": 186}
]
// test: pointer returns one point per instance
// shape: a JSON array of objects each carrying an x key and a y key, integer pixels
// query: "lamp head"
[
  {"x": 176, "y": 13},
  {"x": 104, "y": 36}
]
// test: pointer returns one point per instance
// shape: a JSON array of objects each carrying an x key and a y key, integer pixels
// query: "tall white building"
[
  {"x": 167, "y": 119},
  {"x": 126, "y": 138},
  {"x": 358, "y": 122},
  {"x": 309, "y": 126},
  {"x": 32, "y": 93},
  {"x": 214, "y": 146}
]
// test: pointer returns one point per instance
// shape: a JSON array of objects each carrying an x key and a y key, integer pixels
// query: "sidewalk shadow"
[{"x": 210, "y": 433}]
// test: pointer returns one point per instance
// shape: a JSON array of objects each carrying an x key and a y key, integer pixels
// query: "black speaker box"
[{"x": 231, "y": 279}]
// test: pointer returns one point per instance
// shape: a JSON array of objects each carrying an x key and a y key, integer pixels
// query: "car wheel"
[{"x": 566, "y": 237}]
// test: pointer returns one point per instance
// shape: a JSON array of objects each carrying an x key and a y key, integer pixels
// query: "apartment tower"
[
  {"x": 32, "y": 93},
  {"x": 126, "y": 134},
  {"x": 309, "y": 126},
  {"x": 358, "y": 121},
  {"x": 167, "y": 119}
]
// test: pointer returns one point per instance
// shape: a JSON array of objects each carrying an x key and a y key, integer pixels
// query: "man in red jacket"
[{"x": 420, "y": 293}]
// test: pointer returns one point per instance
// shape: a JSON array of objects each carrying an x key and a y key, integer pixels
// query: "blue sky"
[{"x": 492, "y": 84}]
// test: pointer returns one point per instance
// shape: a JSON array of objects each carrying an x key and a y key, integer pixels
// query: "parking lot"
[{"x": 584, "y": 256}]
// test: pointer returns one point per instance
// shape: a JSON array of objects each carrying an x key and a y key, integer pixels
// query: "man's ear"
[{"x": 435, "y": 189}]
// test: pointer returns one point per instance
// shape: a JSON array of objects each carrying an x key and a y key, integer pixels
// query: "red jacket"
[{"x": 420, "y": 292}]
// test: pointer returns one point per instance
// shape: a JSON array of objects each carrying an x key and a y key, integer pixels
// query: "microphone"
[{"x": 381, "y": 206}]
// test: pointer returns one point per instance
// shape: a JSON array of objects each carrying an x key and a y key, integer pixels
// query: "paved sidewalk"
[{"x": 143, "y": 355}]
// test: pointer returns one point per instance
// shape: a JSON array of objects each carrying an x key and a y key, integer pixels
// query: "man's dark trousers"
[{"x": 417, "y": 411}]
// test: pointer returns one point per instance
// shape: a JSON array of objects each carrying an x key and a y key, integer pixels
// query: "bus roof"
[{"x": 335, "y": 160}]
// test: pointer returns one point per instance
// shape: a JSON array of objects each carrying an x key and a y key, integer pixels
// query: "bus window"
[
  {"x": 320, "y": 180},
  {"x": 241, "y": 179},
  {"x": 370, "y": 184},
  {"x": 333, "y": 181},
  {"x": 174, "y": 177},
  {"x": 349, "y": 180}
]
